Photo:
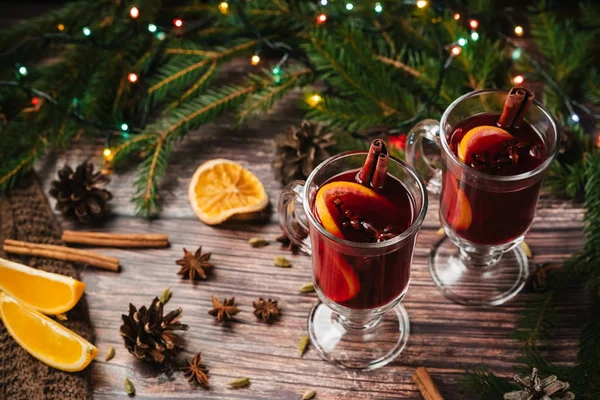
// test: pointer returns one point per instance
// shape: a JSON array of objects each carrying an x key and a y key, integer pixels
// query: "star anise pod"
[
  {"x": 224, "y": 311},
  {"x": 357, "y": 222},
  {"x": 286, "y": 243},
  {"x": 196, "y": 371},
  {"x": 194, "y": 266},
  {"x": 267, "y": 310},
  {"x": 513, "y": 149}
]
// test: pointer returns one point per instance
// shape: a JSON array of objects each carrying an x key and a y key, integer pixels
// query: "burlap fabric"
[{"x": 26, "y": 215}]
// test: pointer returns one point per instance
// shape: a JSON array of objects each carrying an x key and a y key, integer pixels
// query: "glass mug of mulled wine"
[
  {"x": 495, "y": 150},
  {"x": 358, "y": 215}
]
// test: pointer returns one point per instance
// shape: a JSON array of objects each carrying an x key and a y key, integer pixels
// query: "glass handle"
[
  {"x": 430, "y": 173},
  {"x": 291, "y": 215}
]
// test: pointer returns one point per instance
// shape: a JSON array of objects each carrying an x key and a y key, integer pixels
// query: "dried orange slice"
[
  {"x": 44, "y": 291},
  {"x": 221, "y": 188},
  {"x": 481, "y": 139},
  {"x": 45, "y": 339}
]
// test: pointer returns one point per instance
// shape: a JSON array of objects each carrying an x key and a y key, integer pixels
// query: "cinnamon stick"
[
  {"x": 426, "y": 385},
  {"x": 516, "y": 105},
  {"x": 374, "y": 170},
  {"x": 61, "y": 253},
  {"x": 116, "y": 239}
]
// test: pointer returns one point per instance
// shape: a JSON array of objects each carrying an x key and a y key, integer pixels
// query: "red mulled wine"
[
  {"x": 483, "y": 215},
  {"x": 360, "y": 214}
]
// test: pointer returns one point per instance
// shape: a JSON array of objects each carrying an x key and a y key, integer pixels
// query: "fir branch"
[
  {"x": 536, "y": 322},
  {"x": 481, "y": 384},
  {"x": 201, "y": 82},
  {"x": 400, "y": 65}
]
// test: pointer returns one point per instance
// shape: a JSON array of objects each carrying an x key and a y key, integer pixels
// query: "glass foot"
[
  {"x": 355, "y": 345},
  {"x": 477, "y": 286}
]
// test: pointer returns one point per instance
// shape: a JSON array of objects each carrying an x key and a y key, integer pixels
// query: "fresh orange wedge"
[
  {"x": 327, "y": 211},
  {"x": 456, "y": 203},
  {"x": 45, "y": 339},
  {"x": 221, "y": 188},
  {"x": 44, "y": 291},
  {"x": 481, "y": 139}
]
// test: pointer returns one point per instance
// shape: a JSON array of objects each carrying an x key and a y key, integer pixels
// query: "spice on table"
[
  {"x": 239, "y": 383},
  {"x": 149, "y": 335},
  {"x": 309, "y": 394},
  {"x": 287, "y": 244},
  {"x": 303, "y": 345},
  {"x": 116, "y": 239},
  {"x": 258, "y": 242},
  {"x": 526, "y": 249},
  {"x": 307, "y": 287},
  {"x": 426, "y": 385},
  {"x": 61, "y": 253},
  {"x": 267, "y": 310},
  {"x": 225, "y": 310},
  {"x": 194, "y": 266},
  {"x": 196, "y": 371},
  {"x": 441, "y": 232},
  {"x": 282, "y": 262},
  {"x": 61, "y": 317},
  {"x": 129, "y": 388},
  {"x": 166, "y": 295},
  {"x": 110, "y": 354}
]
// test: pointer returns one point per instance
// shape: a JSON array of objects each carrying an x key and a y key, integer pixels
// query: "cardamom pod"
[
  {"x": 258, "y": 242},
  {"x": 307, "y": 287},
  {"x": 526, "y": 249},
  {"x": 309, "y": 394},
  {"x": 165, "y": 296},
  {"x": 110, "y": 354},
  {"x": 441, "y": 232},
  {"x": 303, "y": 345},
  {"x": 129, "y": 388},
  {"x": 282, "y": 262},
  {"x": 239, "y": 382},
  {"x": 61, "y": 317}
]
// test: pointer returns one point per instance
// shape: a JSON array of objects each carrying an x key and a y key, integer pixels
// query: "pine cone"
[
  {"x": 300, "y": 150},
  {"x": 149, "y": 336},
  {"x": 549, "y": 388},
  {"x": 78, "y": 196}
]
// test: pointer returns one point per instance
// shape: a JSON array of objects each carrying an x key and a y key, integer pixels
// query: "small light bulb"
[
  {"x": 456, "y": 50},
  {"x": 60, "y": 27},
  {"x": 316, "y": 98},
  {"x": 224, "y": 7},
  {"x": 378, "y": 7},
  {"x": 276, "y": 71},
  {"x": 457, "y": 16},
  {"x": 516, "y": 54},
  {"x": 161, "y": 35},
  {"x": 519, "y": 79},
  {"x": 255, "y": 59},
  {"x": 422, "y": 3},
  {"x": 134, "y": 12},
  {"x": 124, "y": 126},
  {"x": 462, "y": 42},
  {"x": 474, "y": 36},
  {"x": 86, "y": 31},
  {"x": 132, "y": 77},
  {"x": 107, "y": 152},
  {"x": 349, "y": 6},
  {"x": 178, "y": 22},
  {"x": 321, "y": 19},
  {"x": 35, "y": 101},
  {"x": 575, "y": 118},
  {"x": 323, "y": 3},
  {"x": 23, "y": 71},
  {"x": 152, "y": 28},
  {"x": 519, "y": 30},
  {"x": 474, "y": 24}
]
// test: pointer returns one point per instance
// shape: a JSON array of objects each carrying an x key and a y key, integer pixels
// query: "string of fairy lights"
[{"x": 313, "y": 99}]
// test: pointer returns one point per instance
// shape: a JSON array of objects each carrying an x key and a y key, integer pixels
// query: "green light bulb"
[
  {"x": 124, "y": 127},
  {"x": 462, "y": 42},
  {"x": 475, "y": 36},
  {"x": 349, "y": 6},
  {"x": 23, "y": 71},
  {"x": 86, "y": 31},
  {"x": 378, "y": 7},
  {"x": 152, "y": 28}
]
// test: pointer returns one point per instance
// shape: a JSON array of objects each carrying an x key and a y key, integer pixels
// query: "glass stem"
[
  {"x": 359, "y": 322},
  {"x": 479, "y": 258}
]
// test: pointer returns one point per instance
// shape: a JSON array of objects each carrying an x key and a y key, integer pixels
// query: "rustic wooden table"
[{"x": 445, "y": 337}]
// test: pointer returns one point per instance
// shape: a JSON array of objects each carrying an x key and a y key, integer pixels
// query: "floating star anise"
[
  {"x": 196, "y": 371},
  {"x": 358, "y": 223},
  {"x": 267, "y": 310},
  {"x": 225, "y": 310},
  {"x": 513, "y": 149},
  {"x": 194, "y": 266}
]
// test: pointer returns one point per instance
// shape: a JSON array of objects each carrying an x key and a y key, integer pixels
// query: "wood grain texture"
[{"x": 445, "y": 337}]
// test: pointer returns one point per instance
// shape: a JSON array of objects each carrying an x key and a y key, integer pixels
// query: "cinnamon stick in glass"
[
  {"x": 116, "y": 239},
  {"x": 516, "y": 105},
  {"x": 374, "y": 170}
]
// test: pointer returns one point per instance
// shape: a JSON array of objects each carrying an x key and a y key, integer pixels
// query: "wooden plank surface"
[{"x": 445, "y": 337}]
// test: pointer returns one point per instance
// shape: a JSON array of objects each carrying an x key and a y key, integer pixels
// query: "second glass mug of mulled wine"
[
  {"x": 361, "y": 238},
  {"x": 496, "y": 147}
]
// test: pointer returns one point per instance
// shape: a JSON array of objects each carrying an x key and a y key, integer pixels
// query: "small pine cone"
[
  {"x": 77, "y": 194},
  {"x": 300, "y": 150}
]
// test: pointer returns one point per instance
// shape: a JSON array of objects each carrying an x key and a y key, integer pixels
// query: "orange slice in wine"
[
  {"x": 458, "y": 209},
  {"x": 338, "y": 281},
  {"x": 329, "y": 214},
  {"x": 485, "y": 138}
]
